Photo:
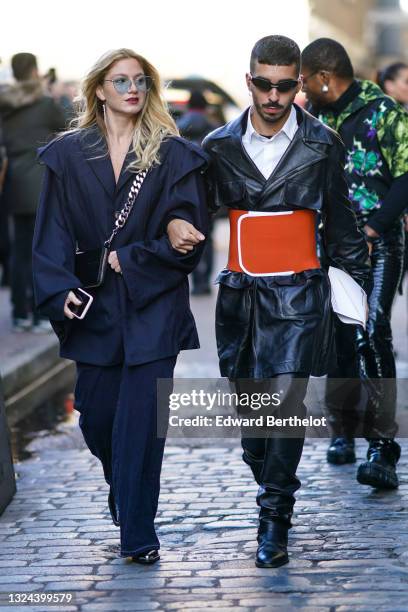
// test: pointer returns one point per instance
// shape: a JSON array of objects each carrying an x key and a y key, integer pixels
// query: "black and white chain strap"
[{"x": 127, "y": 209}]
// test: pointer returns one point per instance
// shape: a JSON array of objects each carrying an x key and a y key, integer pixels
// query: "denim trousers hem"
[{"x": 138, "y": 551}]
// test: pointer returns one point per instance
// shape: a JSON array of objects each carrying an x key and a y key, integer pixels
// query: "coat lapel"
[
  {"x": 307, "y": 147},
  {"x": 232, "y": 148},
  {"x": 96, "y": 154},
  {"x": 305, "y": 150},
  {"x": 125, "y": 175}
]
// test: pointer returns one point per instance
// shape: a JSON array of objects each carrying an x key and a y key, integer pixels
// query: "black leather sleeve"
[{"x": 344, "y": 243}]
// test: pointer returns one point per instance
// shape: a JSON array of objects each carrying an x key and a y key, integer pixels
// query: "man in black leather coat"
[{"x": 274, "y": 331}]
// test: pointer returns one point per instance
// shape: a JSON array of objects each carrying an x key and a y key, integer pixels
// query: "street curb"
[{"x": 32, "y": 378}]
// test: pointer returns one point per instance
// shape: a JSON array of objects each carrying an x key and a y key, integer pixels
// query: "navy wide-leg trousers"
[{"x": 118, "y": 406}]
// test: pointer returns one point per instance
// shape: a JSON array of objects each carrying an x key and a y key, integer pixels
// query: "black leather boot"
[
  {"x": 379, "y": 469},
  {"x": 341, "y": 451},
  {"x": 272, "y": 543}
]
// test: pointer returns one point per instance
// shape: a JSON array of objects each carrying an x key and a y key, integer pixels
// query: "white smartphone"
[{"x": 86, "y": 300}]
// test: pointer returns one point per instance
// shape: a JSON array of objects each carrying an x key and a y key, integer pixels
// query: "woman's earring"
[{"x": 325, "y": 88}]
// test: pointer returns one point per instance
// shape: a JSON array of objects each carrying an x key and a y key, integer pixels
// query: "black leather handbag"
[{"x": 91, "y": 265}]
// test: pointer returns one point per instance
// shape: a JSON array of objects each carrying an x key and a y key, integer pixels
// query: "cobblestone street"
[{"x": 348, "y": 547}]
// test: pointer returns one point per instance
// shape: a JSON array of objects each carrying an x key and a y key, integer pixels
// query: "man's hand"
[
  {"x": 183, "y": 235},
  {"x": 371, "y": 234},
  {"x": 71, "y": 298},
  {"x": 113, "y": 261}
]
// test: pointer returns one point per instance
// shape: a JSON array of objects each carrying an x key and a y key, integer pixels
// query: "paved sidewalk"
[{"x": 348, "y": 548}]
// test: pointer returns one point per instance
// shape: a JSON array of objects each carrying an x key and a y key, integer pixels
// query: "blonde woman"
[{"x": 140, "y": 317}]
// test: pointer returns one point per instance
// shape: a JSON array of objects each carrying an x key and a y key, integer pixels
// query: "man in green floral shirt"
[{"x": 374, "y": 129}]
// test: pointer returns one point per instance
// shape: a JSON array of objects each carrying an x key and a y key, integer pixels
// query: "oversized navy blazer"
[{"x": 144, "y": 314}]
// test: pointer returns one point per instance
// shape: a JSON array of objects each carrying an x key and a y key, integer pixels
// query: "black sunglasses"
[{"x": 266, "y": 85}]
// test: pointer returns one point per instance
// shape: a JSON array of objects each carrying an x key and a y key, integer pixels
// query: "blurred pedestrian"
[
  {"x": 374, "y": 129},
  {"x": 4, "y": 225},
  {"x": 139, "y": 320},
  {"x": 195, "y": 125},
  {"x": 29, "y": 119},
  {"x": 4, "y": 218},
  {"x": 274, "y": 167},
  {"x": 61, "y": 93},
  {"x": 393, "y": 80}
]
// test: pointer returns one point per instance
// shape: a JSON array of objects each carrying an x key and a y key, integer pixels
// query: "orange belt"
[{"x": 266, "y": 244}]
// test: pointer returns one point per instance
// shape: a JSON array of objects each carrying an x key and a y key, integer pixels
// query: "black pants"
[
  {"x": 4, "y": 244},
  {"x": 118, "y": 420},
  {"x": 274, "y": 457},
  {"x": 21, "y": 266},
  {"x": 366, "y": 365}
]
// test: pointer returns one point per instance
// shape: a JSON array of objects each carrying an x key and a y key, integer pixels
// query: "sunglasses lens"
[
  {"x": 143, "y": 83},
  {"x": 262, "y": 84},
  {"x": 287, "y": 86},
  {"x": 121, "y": 85}
]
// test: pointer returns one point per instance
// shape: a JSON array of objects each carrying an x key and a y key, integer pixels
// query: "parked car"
[{"x": 222, "y": 107}]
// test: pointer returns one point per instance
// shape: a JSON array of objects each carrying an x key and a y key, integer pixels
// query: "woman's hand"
[
  {"x": 113, "y": 261},
  {"x": 183, "y": 235},
  {"x": 71, "y": 298}
]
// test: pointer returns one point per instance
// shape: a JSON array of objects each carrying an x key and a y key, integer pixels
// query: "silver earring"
[{"x": 325, "y": 88}]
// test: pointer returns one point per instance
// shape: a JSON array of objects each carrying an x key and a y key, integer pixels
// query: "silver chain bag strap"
[{"x": 90, "y": 266}]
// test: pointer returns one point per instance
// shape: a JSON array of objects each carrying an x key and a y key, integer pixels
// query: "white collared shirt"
[{"x": 267, "y": 152}]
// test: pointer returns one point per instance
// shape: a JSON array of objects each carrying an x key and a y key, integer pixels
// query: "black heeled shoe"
[
  {"x": 112, "y": 509},
  {"x": 147, "y": 558}
]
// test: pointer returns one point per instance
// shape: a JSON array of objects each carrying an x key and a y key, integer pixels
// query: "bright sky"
[{"x": 212, "y": 38}]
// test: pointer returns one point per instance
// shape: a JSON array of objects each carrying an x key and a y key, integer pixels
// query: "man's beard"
[{"x": 271, "y": 118}]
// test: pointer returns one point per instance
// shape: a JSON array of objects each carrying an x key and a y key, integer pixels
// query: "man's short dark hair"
[
  {"x": 275, "y": 50},
  {"x": 22, "y": 65},
  {"x": 328, "y": 54}
]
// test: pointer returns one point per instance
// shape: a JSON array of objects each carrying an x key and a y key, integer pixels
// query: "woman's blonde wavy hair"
[{"x": 154, "y": 122}]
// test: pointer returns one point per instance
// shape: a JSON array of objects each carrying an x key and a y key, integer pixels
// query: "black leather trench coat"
[{"x": 279, "y": 324}]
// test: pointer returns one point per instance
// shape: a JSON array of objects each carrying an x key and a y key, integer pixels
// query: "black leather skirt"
[{"x": 272, "y": 325}]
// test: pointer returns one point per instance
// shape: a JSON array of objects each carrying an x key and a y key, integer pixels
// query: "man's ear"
[
  {"x": 248, "y": 81},
  {"x": 100, "y": 94},
  {"x": 325, "y": 76}
]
